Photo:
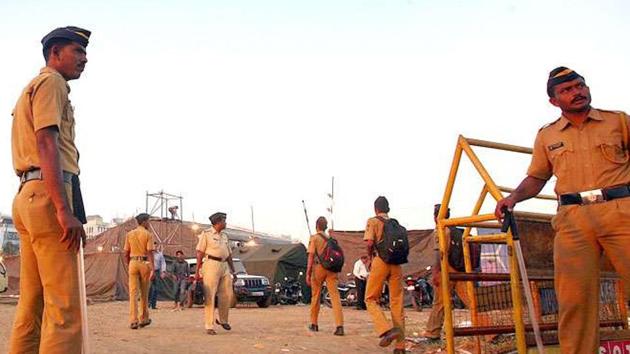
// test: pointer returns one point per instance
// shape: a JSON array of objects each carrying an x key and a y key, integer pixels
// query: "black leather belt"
[
  {"x": 34, "y": 174},
  {"x": 139, "y": 258},
  {"x": 596, "y": 196},
  {"x": 77, "y": 198},
  {"x": 215, "y": 258}
]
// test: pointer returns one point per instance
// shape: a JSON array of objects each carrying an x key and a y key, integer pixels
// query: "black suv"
[{"x": 251, "y": 288}]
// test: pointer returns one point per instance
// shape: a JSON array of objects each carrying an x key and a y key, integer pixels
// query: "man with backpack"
[
  {"x": 388, "y": 247},
  {"x": 325, "y": 259}
]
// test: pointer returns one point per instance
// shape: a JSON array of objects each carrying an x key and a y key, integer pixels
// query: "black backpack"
[
  {"x": 456, "y": 251},
  {"x": 393, "y": 248},
  {"x": 332, "y": 258}
]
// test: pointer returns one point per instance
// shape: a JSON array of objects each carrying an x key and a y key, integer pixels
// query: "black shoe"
[
  {"x": 225, "y": 326},
  {"x": 339, "y": 331},
  {"x": 388, "y": 337},
  {"x": 134, "y": 325},
  {"x": 399, "y": 351},
  {"x": 313, "y": 328},
  {"x": 211, "y": 332},
  {"x": 145, "y": 323}
]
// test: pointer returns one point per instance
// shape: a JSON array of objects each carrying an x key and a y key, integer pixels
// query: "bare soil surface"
[{"x": 277, "y": 329}]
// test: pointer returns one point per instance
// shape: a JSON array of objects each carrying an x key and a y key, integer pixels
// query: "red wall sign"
[{"x": 615, "y": 347}]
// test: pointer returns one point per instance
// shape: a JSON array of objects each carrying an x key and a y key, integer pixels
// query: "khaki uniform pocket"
[
  {"x": 36, "y": 210},
  {"x": 561, "y": 217},
  {"x": 612, "y": 150},
  {"x": 561, "y": 159}
]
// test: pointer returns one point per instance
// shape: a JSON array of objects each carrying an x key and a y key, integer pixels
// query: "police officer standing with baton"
[
  {"x": 587, "y": 150},
  {"x": 48, "y": 209}
]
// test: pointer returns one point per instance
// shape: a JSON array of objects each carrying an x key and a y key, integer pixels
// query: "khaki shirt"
[
  {"x": 585, "y": 158},
  {"x": 43, "y": 103},
  {"x": 436, "y": 239},
  {"x": 214, "y": 243},
  {"x": 139, "y": 242},
  {"x": 374, "y": 228},
  {"x": 317, "y": 244}
]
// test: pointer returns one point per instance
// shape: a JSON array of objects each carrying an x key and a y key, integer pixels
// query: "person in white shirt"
[{"x": 361, "y": 273}]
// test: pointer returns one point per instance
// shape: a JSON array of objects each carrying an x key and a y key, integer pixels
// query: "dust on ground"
[{"x": 277, "y": 329}]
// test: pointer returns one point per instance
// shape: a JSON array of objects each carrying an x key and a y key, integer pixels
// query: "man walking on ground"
[
  {"x": 181, "y": 271},
  {"x": 379, "y": 273},
  {"x": 139, "y": 257},
  {"x": 436, "y": 318},
  {"x": 316, "y": 275},
  {"x": 159, "y": 267},
  {"x": 48, "y": 209},
  {"x": 587, "y": 150},
  {"x": 214, "y": 251},
  {"x": 360, "y": 272}
]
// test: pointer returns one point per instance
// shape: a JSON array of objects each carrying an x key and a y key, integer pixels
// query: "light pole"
[{"x": 331, "y": 196}]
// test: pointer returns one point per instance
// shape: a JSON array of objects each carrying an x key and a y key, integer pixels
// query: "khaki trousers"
[
  {"x": 379, "y": 273},
  {"x": 321, "y": 275},
  {"x": 48, "y": 314},
  {"x": 217, "y": 281},
  {"x": 582, "y": 233},
  {"x": 436, "y": 318},
  {"x": 139, "y": 274}
]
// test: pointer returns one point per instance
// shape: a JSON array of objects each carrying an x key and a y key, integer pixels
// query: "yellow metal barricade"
[
  {"x": 612, "y": 288},
  {"x": 477, "y": 220}
]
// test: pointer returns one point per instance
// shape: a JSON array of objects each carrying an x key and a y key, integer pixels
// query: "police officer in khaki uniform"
[
  {"x": 213, "y": 250},
  {"x": 435, "y": 322},
  {"x": 586, "y": 149},
  {"x": 316, "y": 275},
  {"x": 48, "y": 209},
  {"x": 139, "y": 257},
  {"x": 436, "y": 318},
  {"x": 379, "y": 273}
]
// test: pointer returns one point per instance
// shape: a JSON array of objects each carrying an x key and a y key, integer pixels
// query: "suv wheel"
[{"x": 264, "y": 302}]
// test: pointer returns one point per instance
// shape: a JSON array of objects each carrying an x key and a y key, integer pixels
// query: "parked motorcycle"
[
  {"x": 420, "y": 290},
  {"x": 289, "y": 292},
  {"x": 347, "y": 293}
]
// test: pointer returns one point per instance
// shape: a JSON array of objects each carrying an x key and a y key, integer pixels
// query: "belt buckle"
[{"x": 592, "y": 196}]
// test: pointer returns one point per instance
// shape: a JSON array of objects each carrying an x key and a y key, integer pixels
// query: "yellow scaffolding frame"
[{"x": 483, "y": 220}]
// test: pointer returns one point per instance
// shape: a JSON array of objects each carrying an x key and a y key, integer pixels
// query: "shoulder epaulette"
[
  {"x": 610, "y": 111},
  {"x": 549, "y": 124}
]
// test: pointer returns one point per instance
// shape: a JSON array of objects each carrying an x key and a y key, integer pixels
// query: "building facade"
[{"x": 95, "y": 226}]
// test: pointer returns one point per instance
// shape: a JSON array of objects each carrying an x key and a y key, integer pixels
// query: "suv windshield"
[{"x": 239, "y": 268}]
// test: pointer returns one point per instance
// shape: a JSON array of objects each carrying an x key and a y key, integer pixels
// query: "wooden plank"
[
  {"x": 479, "y": 331},
  {"x": 499, "y": 146}
]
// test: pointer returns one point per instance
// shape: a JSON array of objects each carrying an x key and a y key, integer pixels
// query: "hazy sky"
[{"x": 238, "y": 103}]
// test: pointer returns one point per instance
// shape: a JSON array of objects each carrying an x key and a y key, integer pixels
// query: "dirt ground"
[{"x": 277, "y": 329}]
